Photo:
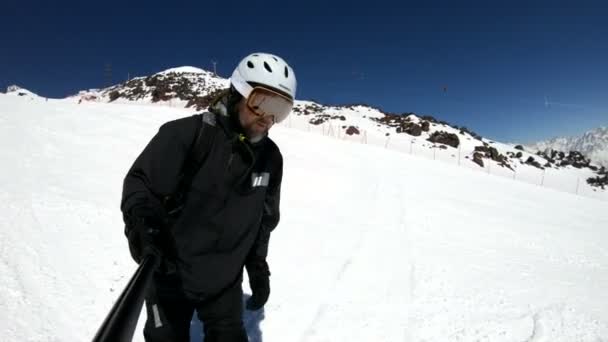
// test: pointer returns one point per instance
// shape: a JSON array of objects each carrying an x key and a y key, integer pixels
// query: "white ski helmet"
[{"x": 265, "y": 69}]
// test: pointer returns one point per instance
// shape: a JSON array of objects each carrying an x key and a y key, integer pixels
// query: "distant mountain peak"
[
  {"x": 12, "y": 88},
  {"x": 192, "y": 86},
  {"x": 19, "y": 91},
  {"x": 185, "y": 69},
  {"x": 592, "y": 144}
]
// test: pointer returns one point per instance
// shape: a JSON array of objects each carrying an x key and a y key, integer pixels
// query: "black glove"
[
  {"x": 259, "y": 281},
  {"x": 143, "y": 232}
]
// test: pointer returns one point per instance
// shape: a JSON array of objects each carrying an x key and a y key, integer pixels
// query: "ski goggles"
[
  {"x": 262, "y": 101},
  {"x": 266, "y": 102}
]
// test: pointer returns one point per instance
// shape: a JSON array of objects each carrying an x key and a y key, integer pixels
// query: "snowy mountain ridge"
[
  {"x": 593, "y": 144},
  {"x": 194, "y": 88},
  {"x": 183, "y": 86},
  {"x": 424, "y": 132},
  {"x": 16, "y": 90}
]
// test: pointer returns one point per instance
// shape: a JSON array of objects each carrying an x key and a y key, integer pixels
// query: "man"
[{"x": 209, "y": 221}]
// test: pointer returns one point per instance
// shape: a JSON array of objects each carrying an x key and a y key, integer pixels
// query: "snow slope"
[
  {"x": 373, "y": 245},
  {"x": 567, "y": 179}
]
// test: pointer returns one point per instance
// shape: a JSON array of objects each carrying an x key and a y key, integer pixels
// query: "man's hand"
[
  {"x": 259, "y": 281},
  {"x": 143, "y": 234}
]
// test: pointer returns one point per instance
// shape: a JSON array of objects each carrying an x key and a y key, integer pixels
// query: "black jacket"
[{"x": 229, "y": 210}]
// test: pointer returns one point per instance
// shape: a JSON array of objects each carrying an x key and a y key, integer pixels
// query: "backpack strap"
[{"x": 199, "y": 150}]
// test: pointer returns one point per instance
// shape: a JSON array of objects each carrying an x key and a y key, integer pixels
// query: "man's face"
[{"x": 253, "y": 125}]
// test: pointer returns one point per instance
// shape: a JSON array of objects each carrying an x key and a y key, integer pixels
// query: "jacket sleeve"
[
  {"x": 155, "y": 173},
  {"x": 271, "y": 214}
]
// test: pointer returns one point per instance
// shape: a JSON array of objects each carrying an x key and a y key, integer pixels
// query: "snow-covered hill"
[
  {"x": 427, "y": 136},
  {"x": 593, "y": 144},
  {"x": 182, "y": 87},
  {"x": 194, "y": 88},
  {"x": 15, "y": 90},
  {"x": 373, "y": 245}
]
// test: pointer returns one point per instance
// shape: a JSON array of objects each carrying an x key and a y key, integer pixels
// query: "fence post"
[
  {"x": 434, "y": 151},
  {"x": 542, "y": 180},
  {"x": 459, "y": 149},
  {"x": 411, "y": 145}
]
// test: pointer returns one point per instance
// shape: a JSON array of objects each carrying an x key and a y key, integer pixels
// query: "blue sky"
[{"x": 511, "y": 71}]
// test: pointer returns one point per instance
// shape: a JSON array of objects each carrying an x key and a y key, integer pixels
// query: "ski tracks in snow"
[{"x": 373, "y": 286}]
